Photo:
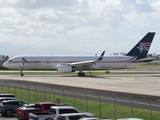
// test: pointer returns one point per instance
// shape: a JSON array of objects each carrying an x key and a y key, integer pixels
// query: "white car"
[
  {"x": 130, "y": 119},
  {"x": 7, "y": 98},
  {"x": 93, "y": 119},
  {"x": 71, "y": 116}
]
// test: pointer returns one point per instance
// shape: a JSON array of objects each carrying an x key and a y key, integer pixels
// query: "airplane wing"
[{"x": 86, "y": 63}]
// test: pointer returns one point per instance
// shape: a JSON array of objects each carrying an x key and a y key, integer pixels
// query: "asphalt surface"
[
  {"x": 119, "y": 86},
  {"x": 8, "y": 118},
  {"x": 145, "y": 84},
  {"x": 138, "y": 87}
]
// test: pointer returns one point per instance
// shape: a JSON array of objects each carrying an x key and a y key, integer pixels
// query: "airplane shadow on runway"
[{"x": 87, "y": 76}]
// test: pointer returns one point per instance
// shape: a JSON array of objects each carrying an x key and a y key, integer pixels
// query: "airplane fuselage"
[
  {"x": 49, "y": 62},
  {"x": 64, "y": 64}
]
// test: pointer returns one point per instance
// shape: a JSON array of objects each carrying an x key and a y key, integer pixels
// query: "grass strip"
[{"x": 98, "y": 108}]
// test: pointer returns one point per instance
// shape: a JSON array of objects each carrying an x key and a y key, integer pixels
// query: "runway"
[{"x": 145, "y": 84}]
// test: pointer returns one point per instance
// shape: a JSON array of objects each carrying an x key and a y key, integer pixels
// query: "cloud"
[
  {"x": 81, "y": 22},
  {"x": 60, "y": 14},
  {"x": 140, "y": 2}
]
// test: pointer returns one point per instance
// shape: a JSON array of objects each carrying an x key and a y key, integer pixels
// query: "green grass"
[
  {"x": 75, "y": 73},
  {"x": 99, "y": 109},
  {"x": 148, "y": 65}
]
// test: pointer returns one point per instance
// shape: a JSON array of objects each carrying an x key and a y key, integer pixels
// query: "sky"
[{"x": 76, "y": 27}]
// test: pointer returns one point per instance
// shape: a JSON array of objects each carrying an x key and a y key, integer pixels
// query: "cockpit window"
[{"x": 10, "y": 61}]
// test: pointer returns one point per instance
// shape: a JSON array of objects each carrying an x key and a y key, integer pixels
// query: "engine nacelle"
[{"x": 64, "y": 69}]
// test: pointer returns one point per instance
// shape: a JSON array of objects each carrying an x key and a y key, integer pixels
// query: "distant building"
[{"x": 115, "y": 53}]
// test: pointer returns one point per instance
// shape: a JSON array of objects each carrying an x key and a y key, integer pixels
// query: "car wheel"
[{"x": 8, "y": 113}]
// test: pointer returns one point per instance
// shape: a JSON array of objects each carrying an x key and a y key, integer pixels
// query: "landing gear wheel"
[
  {"x": 81, "y": 74},
  {"x": 8, "y": 113},
  {"x": 22, "y": 74}
]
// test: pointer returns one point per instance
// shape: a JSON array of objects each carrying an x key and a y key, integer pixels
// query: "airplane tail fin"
[
  {"x": 140, "y": 50},
  {"x": 101, "y": 56}
]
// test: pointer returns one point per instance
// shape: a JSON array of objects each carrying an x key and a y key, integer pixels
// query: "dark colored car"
[{"x": 8, "y": 108}]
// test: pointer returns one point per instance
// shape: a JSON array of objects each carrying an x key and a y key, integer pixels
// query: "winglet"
[{"x": 101, "y": 56}]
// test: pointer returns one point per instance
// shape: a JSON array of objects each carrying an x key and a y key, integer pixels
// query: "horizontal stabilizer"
[{"x": 145, "y": 60}]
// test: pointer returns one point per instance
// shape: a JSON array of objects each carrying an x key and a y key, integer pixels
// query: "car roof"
[
  {"x": 64, "y": 107},
  {"x": 88, "y": 119},
  {"x": 72, "y": 114},
  {"x": 130, "y": 119},
  {"x": 29, "y": 105},
  {"x": 6, "y": 94},
  {"x": 12, "y": 101},
  {"x": 1, "y": 98},
  {"x": 45, "y": 103}
]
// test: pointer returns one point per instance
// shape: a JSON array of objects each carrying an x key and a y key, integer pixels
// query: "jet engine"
[{"x": 65, "y": 68}]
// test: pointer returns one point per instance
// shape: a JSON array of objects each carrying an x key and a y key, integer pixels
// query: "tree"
[{"x": 4, "y": 59}]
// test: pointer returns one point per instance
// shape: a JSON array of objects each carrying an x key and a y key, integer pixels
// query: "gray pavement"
[
  {"x": 147, "y": 84},
  {"x": 8, "y": 118}
]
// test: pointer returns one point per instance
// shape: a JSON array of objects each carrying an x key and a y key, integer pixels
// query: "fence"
[{"x": 102, "y": 107}]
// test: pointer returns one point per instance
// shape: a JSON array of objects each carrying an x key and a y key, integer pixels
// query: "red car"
[{"x": 22, "y": 113}]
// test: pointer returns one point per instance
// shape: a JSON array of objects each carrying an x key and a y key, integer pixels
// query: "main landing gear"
[
  {"x": 81, "y": 74},
  {"x": 21, "y": 73}
]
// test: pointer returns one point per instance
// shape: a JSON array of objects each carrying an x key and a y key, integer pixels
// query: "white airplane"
[{"x": 65, "y": 64}]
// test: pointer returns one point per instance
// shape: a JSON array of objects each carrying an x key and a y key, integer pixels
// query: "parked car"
[
  {"x": 93, "y": 119},
  {"x": 54, "y": 113},
  {"x": 7, "y": 98},
  {"x": 38, "y": 107},
  {"x": 28, "y": 106},
  {"x": 8, "y": 108},
  {"x": 130, "y": 119},
  {"x": 71, "y": 116},
  {"x": 7, "y": 95}
]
